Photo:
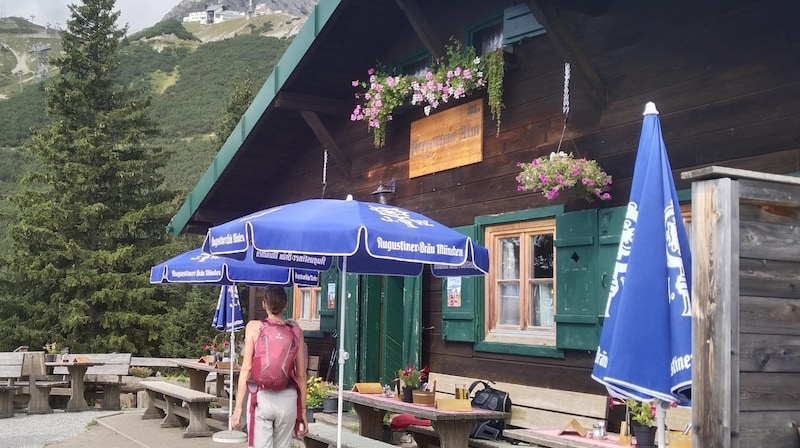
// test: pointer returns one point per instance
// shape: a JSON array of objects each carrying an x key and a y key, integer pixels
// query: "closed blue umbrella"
[
  {"x": 367, "y": 238},
  {"x": 645, "y": 350},
  {"x": 228, "y": 317}
]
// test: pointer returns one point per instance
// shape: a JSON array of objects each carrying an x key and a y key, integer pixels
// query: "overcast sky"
[{"x": 138, "y": 14}]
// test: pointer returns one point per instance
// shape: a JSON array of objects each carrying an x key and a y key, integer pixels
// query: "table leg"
[
  {"x": 370, "y": 421},
  {"x": 77, "y": 402},
  {"x": 453, "y": 433},
  {"x": 197, "y": 379}
]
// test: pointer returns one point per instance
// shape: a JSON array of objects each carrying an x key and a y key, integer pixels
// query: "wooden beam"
[
  {"x": 568, "y": 49},
  {"x": 324, "y": 137},
  {"x": 422, "y": 27},
  {"x": 320, "y": 105}
]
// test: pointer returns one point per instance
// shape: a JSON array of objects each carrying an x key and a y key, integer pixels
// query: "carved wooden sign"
[{"x": 448, "y": 139}]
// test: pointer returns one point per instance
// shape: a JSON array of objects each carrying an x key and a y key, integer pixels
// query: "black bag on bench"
[{"x": 493, "y": 400}]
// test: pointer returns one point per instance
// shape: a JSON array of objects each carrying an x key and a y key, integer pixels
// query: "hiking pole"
[{"x": 334, "y": 353}]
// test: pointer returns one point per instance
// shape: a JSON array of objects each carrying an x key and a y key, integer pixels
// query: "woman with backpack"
[{"x": 274, "y": 373}]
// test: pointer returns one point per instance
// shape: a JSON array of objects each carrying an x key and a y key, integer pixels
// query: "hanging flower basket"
[
  {"x": 559, "y": 172},
  {"x": 454, "y": 76}
]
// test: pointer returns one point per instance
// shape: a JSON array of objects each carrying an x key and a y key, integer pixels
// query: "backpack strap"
[{"x": 297, "y": 332}]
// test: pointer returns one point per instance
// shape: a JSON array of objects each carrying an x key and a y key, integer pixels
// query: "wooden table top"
[
  {"x": 204, "y": 366},
  {"x": 391, "y": 404}
]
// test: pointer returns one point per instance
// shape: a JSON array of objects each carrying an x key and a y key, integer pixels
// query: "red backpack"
[{"x": 274, "y": 355}]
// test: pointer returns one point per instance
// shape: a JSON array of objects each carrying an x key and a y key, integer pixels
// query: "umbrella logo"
[
  {"x": 626, "y": 241},
  {"x": 392, "y": 214},
  {"x": 675, "y": 263}
]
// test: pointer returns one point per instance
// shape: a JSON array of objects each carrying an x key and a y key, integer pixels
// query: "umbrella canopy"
[
  {"x": 367, "y": 238},
  {"x": 645, "y": 349},
  {"x": 372, "y": 238},
  {"x": 197, "y": 267}
]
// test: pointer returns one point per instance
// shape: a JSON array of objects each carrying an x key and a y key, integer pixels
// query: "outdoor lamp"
[{"x": 383, "y": 191}]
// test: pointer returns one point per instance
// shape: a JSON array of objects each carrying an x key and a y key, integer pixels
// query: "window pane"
[
  {"x": 318, "y": 295},
  {"x": 305, "y": 304},
  {"x": 508, "y": 304},
  {"x": 508, "y": 250},
  {"x": 489, "y": 38},
  {"x": 416, "y": 68},
  {"x": 542, "y": 306},
  {"x": 542, "y": 256}
]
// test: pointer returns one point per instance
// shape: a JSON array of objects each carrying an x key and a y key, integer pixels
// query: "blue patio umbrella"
[
  {"x": 199, "y": 268},
  {"x": 367, "y": 238},
  {"x": 645, "y": 350},
  {"x": 196, "y": 267}
]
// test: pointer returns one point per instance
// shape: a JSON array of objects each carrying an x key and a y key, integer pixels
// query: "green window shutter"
[
  {"x": 609, "y": 232},
  {"x": 519, "y": 23},
  {"x": 576, "y": 309},
  {"x": 329, "y": 281},
  {"x": 287, "y": 314},
  {"x": 458, "y": 313}
]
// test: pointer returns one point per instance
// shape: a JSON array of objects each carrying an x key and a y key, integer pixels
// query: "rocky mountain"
[{"x": 299, "y": 8}]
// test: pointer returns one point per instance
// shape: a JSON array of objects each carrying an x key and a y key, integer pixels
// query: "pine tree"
[
  {"x": 91, "y": 220},
  {"x": 238, "y": 102}
]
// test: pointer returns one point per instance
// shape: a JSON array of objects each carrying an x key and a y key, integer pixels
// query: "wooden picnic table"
[
  {"x": 76, "y": 369},
  {"x": 198, "y": 372},
  {"x": 452, "y": 427}
]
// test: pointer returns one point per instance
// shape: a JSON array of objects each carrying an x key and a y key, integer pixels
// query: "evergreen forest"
[{"x": 91, "y": 172}]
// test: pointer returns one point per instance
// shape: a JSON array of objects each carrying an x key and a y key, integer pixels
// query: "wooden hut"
[{"x": 723, "y": 77}]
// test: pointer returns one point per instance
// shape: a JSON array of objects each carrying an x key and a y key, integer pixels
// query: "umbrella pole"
[
  {"x": 230, "y": 379},
  {"x": 342, "y": 354},
  {"x": 661, "y": 415}
]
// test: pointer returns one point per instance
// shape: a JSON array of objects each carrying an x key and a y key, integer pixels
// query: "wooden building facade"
[{"x": 723, "y": 74}]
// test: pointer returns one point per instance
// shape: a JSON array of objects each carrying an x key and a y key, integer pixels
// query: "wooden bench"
[
  {"x": 532, "y": 407},
  {"x": 320, "y": 435},
  {"x": 35, "y": 384},
  {"x": 167, "y": 401},
  {"x": 10, "y": 372},
  {"x": 103, "y": 380},
  {"x": 535, "y": 408}
]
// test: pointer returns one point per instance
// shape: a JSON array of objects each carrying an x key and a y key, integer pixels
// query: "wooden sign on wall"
[{"x": 446, "y": 140}]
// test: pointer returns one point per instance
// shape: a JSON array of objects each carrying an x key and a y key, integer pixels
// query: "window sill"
[
  {"x": 313, "y": 334},
  {"x": 517, "y": 349}
]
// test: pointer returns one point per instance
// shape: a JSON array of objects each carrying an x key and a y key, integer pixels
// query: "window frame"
[
  {"x": 313, "y": 323},
  {"x": 490, "y": 346},
  {"x": 525, "y": 333}
]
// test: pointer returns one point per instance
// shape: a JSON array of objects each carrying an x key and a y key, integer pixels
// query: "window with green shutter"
[
  {"x": 458, "y": 303},
  {"x": 549, "y": 275}
]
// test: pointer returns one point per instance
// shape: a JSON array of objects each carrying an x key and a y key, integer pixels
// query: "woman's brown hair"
[{"x": 275, "y": 299}]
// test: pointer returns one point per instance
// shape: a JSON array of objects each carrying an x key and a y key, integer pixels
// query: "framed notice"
[
  {"x": 446, "y": 140},
  {"x": 331, "y": 296},
  {"x": 454, "y": 292}
]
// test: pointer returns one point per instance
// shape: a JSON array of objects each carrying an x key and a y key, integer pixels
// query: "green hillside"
[{"x": 190, "y": 78}]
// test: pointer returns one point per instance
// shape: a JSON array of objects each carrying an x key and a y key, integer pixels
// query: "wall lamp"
[{"x": 383, "y": 191}]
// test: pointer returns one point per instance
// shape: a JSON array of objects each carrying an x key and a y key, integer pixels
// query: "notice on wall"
[
  {"x": 454, "y": 292},
  {"x": 446, "y": 140}
]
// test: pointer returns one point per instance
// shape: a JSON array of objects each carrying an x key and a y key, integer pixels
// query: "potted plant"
[
  {"x": 560, "y": 171},
  {"x": 216, "y": 349},
  {"x": 411, "y": 378},
  {"x": 643, "y": 416},
  {"x": 52, "y": 350},
  {"x": 317, "y": 396}
]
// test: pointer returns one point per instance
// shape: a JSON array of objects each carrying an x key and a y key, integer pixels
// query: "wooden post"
[{"x": 715, "y": 312}]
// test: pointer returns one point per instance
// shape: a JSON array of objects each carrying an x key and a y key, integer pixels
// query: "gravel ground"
[{"x": 37, "y": 431}]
